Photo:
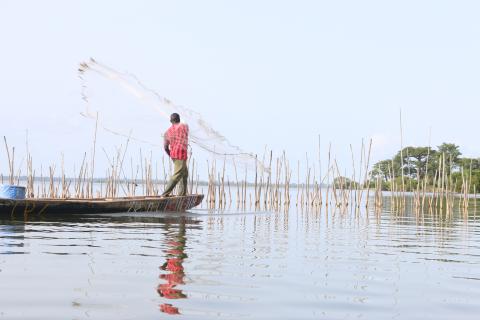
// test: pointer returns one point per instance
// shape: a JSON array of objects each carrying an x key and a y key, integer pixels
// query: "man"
[{"x": 176, "y": 144}]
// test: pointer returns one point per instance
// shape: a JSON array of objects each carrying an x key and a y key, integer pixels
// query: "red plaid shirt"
[{"x": 176, "y": 138}]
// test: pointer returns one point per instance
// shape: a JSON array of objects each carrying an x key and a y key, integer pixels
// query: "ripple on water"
[{"x": 234, "y": 265}]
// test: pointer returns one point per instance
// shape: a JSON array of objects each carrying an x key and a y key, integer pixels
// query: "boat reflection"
[
  {"x": 12, "y": 238},
  {"x": 175, "y": 256}
]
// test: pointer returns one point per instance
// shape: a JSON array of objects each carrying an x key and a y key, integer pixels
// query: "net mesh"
[{"x": 122, "y": 105}]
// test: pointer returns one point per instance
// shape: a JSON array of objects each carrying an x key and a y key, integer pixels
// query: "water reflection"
[
  {"x": 12, "y": 238},
  {"x": 327, "y": 264},
  {"x": 175, "y": 256}
]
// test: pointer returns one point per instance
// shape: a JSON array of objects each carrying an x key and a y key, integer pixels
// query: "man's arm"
[{"x": 166, "y": 145}]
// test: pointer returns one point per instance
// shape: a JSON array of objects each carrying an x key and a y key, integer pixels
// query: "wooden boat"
[{"x": 27, "y": 207}]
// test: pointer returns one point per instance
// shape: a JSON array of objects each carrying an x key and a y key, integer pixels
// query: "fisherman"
[{"x": 175, "y": 144}]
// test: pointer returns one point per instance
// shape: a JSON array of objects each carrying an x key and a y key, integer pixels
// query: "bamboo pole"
[
  {"x": 11, "y": 161},
  {"x": 327, "y": 203},
  {"x": 367, "y": 173},
  {"x": 320, "y": 168},
  {"x": 401, "y": 158}
]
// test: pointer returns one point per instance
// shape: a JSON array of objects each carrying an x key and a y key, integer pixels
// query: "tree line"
[{"x": 414, "y": 164}]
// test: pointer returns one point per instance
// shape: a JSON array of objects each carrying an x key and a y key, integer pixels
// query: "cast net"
[{"x": 123, "y": 106}]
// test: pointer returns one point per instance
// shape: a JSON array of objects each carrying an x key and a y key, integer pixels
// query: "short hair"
[{"x": 175, "y": 118}]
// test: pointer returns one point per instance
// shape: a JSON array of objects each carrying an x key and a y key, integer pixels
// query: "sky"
[{"x": 263, "y": 73}]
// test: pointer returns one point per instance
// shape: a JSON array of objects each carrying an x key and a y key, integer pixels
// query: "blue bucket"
[{"x": 12, "y": 192}]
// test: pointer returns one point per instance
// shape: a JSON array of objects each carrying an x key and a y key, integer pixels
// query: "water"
[{"x": 242, "y": 265}]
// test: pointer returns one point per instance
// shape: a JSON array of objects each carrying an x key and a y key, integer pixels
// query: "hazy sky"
[{"x": 276, "y": 73}]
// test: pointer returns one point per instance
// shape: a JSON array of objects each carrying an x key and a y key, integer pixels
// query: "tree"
[
  {"x": 415, "y": 160},
  {"x": 344, "y": 183},
  {"x": 451, "y": 153},
  {"x": 466, "y": 163},
  {"x": 424, "y": 162},
  {"x": 382, "y": 169},
  {"x": 386, "y": 169}
]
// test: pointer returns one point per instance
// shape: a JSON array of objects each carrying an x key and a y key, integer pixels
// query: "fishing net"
[{"x": 123, "y": 106}]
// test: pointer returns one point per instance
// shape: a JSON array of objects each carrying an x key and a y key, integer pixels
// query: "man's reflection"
[{"x": 175, "y": 255}]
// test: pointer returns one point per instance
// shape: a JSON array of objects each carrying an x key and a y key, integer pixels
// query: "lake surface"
[{"x": 242, "y": 265}]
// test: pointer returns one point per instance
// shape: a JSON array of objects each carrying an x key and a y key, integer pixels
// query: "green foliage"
[
  {"x": 451, "y": 151},
  {"x": 422, "y": 162},
  {"x": 410, "y": 184},
  {"x": 382, "y": 169},
  {"x": 474, "y": 183},
  {"x": 345, "y": 183},
  {"x": 415, "y": 161},
  {"x": 469, "y": 163}
]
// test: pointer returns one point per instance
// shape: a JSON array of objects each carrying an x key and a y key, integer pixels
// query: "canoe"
[{"x": 98, "y": 205}]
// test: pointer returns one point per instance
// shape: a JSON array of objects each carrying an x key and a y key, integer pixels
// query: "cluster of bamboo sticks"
[
  {"x": 259, "y": 190},
  {"x": 266, "y": 192},
  {"x": 437, "y": 193},
  {"x": 85, "y": 186},
  {"x": 11, "y": 163},
  {"x": 271, "y": 189}
]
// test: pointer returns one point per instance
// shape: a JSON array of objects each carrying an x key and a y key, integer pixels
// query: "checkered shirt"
[{"x": 176, "y": 138}]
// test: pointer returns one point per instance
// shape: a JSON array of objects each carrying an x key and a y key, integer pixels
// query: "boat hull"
[{"x": 91, "y": 206}]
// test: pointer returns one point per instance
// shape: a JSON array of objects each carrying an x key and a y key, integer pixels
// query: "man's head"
[{"x": 174, "y": 118}]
